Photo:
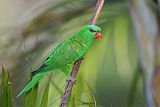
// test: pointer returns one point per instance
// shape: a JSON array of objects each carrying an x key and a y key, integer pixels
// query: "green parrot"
[{"x": 65, "y": 54}]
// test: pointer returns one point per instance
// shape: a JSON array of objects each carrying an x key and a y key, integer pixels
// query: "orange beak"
[{"x": 98, "y": 35}]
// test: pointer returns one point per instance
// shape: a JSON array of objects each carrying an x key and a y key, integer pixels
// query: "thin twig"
[
  {"x": 77, "y": 64},
  {"x": 96, "y": 12},
  {"x": 70, "y": 82}
]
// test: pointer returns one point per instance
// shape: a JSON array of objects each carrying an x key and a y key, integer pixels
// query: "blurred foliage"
[
  {"x": 31, "y": 97},
  {"x": 44, "y": 101},
  {"x": 110, "y": 74},
  {"x": 6, "y": 98}
]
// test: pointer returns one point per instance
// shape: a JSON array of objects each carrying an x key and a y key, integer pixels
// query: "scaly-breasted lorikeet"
[{"x": 66, "y": 53}]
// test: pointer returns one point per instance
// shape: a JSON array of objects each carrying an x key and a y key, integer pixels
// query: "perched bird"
[{"x": 66, "y": 53}]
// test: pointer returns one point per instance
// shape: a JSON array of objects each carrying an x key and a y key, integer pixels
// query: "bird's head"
[{"x": 94, "y": 31}]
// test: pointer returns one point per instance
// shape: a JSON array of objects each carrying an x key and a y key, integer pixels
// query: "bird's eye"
[{"x": 91, "y": 30}]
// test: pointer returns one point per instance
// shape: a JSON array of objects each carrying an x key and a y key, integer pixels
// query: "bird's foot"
[
  {"x": 81, "y": 58},
  {"x": 71, "y": 79}
]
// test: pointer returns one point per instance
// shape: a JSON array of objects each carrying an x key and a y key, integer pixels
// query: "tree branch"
[
  {"x": 74, "y": 72},
  {"x": 96, "y": 12}
]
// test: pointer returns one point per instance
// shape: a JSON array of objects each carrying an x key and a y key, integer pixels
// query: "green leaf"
[
  {"x": 4, "y": 89},
  {"x": 34, "y": 95},
  {"x": 6, "y": 92},
  {"x": 91, "y": 97},
  {"x": 44, "y": 101},
  {"x": 73, "y": 101},
  {"x": 69, "y": 102},
  {"x": 9, "y": 91},
  {"x": 27, "y": 98},
  {"x": 31, "y": 97}
]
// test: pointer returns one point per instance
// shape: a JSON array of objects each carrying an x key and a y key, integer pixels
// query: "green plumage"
[{"x": 65, "y": 54}]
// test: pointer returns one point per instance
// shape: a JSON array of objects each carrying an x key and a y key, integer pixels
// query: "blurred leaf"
[
  {"x": 44, "y": 101},
  {"x": 31, "y": 97},
  {"x": 146, "y": 28},
  {"x": 133, "y": 88},
  {"x": 56, "y": 87},
  {"x": 4, "y": 101},
  {"x": 91, "y": 97},
  {"x": 69, "y": 102},
  {"x": 73, "y": 101},
  {"x": 49, "y": 20},
  {"x": 156, "y": 86},
  {"x": 6, "y": 92},
  {"x": 10, "y": 93}
]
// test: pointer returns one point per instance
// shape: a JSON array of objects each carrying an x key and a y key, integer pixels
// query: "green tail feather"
[{"x": 34, "y": 80}]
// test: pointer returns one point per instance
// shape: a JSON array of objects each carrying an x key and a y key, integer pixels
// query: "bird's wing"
[{"x": 63, "y": 57}]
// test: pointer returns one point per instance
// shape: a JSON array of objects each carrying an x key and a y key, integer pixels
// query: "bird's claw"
[
  {"x": 71, "y": 79},
  {"x": 81, "y": 58}
]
